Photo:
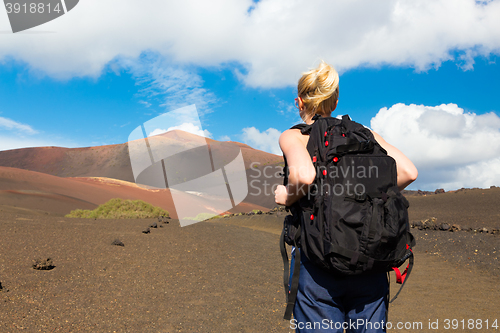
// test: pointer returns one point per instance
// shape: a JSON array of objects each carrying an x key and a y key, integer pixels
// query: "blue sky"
[{"x": 424, "y": 76}]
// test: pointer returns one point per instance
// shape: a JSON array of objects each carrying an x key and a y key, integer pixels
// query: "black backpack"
[{"x": 353, "y": 220}]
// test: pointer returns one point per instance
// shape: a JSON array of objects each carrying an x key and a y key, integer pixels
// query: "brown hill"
[
  {"x": 113, "y": 161},
  {"x": 102, "y": 161},
  {"x": 190, "y": 151},
  {"x": 32, "y": 192}
]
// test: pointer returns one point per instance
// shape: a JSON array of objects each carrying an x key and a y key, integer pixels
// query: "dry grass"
[{"x": 121, "y": 209}]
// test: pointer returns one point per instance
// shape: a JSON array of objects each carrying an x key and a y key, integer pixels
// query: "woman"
[{"x": 323, "y": 298}]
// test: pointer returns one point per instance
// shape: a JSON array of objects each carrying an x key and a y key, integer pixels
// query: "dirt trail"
[{"x": 222, "y": 276}]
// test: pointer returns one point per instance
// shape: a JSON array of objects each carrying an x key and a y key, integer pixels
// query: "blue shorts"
[{"x": 327, "y": 303}]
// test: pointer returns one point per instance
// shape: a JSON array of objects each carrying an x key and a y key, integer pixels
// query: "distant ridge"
[
  {"x": 111, "y": 161},
  {"x": 103, "y": 164},
  {"x": 41, "y": 193},
  {"x": 101, "y": 161}
]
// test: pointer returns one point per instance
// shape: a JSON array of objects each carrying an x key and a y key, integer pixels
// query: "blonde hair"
[{"x": 319, "y": 90}]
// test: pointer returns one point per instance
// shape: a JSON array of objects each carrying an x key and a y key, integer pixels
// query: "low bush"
[{"x": 121, "y": 209}]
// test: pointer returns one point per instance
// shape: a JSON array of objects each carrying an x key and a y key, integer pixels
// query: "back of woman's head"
[{"x": 319, "y": 90}]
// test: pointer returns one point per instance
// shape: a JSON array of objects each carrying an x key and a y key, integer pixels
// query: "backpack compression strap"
[
  {"x": 286, "y": 269},
  {"x": 402, "y": 278},
  {"x": 291, "y": 291}
]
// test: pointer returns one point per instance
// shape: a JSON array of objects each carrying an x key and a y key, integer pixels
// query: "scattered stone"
[
  {"x": 429, "y": 224},
  {"x": 146, "y": 231},
  {"x": 163, "y": 219},
  {"x": 278, "y": 209},
  {"x": 154, "y": 225},
  {"x": 258, "y": 212},
  {"x": 417, "y": 224},
  {"x": 439, "y": 191},
  {"x": 40, "y": 264},
  {"x": 444, "y": 227},
  {"x": 117, "y": 242},
  {"x": 251, "y": 213}
]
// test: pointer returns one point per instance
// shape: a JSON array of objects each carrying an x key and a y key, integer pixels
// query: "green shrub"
[{"x": 121, "y": 209}]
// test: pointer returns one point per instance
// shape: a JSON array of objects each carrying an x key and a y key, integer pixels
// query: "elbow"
[
  {"x": 412, "y": 174},
  {"x": 308, "y": 179},
  {"x": 303, "y": 177},
  {"x": 407, "y": 177}
]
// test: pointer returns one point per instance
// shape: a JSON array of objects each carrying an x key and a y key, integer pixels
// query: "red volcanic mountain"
[
  {"x": 102, "y": 161},
  {"x": 57, "y": 180},
  {"x": 111, "y": 161}
]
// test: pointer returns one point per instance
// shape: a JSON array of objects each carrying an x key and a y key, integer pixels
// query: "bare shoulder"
[
  {"x": 291, "y": 133},
  {"x": 390, "y": 149},
  {"x": 292, "y": 137},
  {"x": 377, "y": 136}
]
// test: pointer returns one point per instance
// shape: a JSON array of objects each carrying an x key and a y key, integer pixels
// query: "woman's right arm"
[
  {"x": 407, "y": 172},
  {"x": 300, "y": 168}
]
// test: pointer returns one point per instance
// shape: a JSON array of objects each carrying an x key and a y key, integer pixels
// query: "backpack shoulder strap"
[
  {"x": 349, "y": 124},
  {"x": 353, "y": 126},
  {"x": 304, "y": 128}
]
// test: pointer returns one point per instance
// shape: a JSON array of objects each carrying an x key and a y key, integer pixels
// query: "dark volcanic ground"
[
  {"x": 219, "y": 276},
  {"x": 202, "y": 278},
  {"x": 476, "y": 212}
]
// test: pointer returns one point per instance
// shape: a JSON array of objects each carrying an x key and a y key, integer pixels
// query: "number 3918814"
[
  {"x": 32, "y": 8},
  {"x": 471, "y": 324}
]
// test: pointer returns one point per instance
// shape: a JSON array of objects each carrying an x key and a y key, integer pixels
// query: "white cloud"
[
  {"x": 10, "y": 124},
  {"x": 12, "y": 142},
  {"x": 345, "y": 33},
  {"x": 266, "y": 141},
  {"x": 15, "y": 135},
  {"x": 450, "y": 147},
  {"x": 224, "y": 138},
  {"x": 157, "y": 131},
  {"x": 186, "y": 127},
  {"x": 172, "y": 86},
  {"x": 146, "y": 104}
]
